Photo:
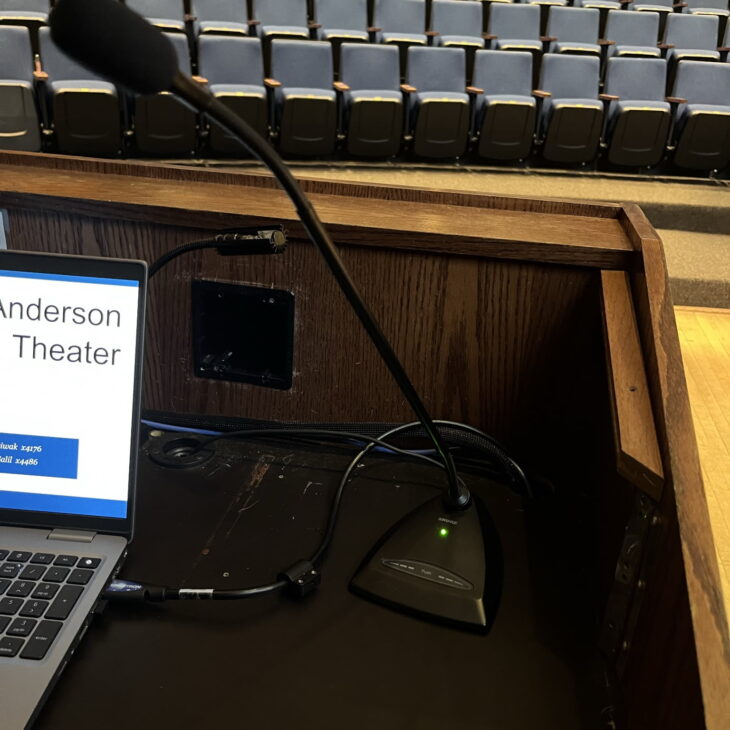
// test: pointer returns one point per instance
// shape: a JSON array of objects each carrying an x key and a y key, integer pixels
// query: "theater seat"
[
  {"x": 342, "y": 21},
  {"x": 401, "y": 22},
  {"x": 456, "y": 23},
  {"x": 571, "y": 115},
  {"x": 234, "y": 70},
  {"x": 305, "y": 105},
  {"x": 372, "y": 103},
  {"x": 221, "y": 17},
  {"x": 85, "y": 109},
  {"x": 165, "y": 14},
  {"x": 19, "y": 127},
  {"x": 633, "y": 35},
  {"x": 438, "y": 105},
  {"x": 515, "y": 27},
  {"x": 702, "y": 130},
  {"x": 504, "y": 107},
  {"x": 281, "y": 19},
  {"x": 163, "y": 125},
  {"x": 637, "y": 121},
  {"x": 575, "y": 31},
  {"x": 691, "y": 37}
]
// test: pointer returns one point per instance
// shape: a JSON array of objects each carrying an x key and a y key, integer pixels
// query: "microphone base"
[{"x": 443, "y": 566}]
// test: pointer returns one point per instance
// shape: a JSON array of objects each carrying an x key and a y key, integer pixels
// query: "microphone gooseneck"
[{"x": 113, "y": 41}]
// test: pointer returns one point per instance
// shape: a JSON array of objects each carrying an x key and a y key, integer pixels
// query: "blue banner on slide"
[{"x": 39, "y": 456}]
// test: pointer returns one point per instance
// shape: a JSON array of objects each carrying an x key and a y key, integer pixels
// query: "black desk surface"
[{"x": 332, "y": 661}]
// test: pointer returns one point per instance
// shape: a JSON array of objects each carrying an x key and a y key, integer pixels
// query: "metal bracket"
[{"x": 624, "y": 601}]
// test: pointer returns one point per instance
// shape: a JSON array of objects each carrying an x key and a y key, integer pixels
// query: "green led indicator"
[{"x": 443, "y": 532}]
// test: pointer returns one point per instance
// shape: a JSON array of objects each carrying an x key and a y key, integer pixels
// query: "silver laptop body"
[{"x": 71, "y": 343}]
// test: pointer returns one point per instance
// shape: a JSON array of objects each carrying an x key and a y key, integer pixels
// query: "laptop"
[{"x": 71, "y": 341}]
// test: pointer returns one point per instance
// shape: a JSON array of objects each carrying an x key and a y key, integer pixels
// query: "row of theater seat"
[{"x": 369, "y": 113}]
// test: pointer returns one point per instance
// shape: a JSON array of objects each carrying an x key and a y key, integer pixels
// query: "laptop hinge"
[{"x": 72, "y": 535}]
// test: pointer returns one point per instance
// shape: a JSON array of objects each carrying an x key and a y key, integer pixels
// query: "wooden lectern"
[{"x": 547, "y": 323}]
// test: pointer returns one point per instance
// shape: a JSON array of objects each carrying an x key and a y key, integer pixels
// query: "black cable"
[
  {"x": 126, "y": 590},
  {"x": 255, "y": 244},
  {"x": 457, "y": 496}
]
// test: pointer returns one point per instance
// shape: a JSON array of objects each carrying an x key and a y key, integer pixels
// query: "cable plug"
[
  {"x": 302, "y": 578},
  {"x": 130, "y": 592}
]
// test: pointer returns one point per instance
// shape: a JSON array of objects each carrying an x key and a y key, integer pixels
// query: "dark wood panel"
[
  {"x": 476, "y": 336},
  {"x": 707, "y": 631}
]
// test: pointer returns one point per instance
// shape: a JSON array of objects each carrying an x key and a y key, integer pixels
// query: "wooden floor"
[{"x": 704, "y": 335}]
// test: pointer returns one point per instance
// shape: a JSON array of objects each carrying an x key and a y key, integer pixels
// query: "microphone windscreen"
[{"x": 114, "y": 42}]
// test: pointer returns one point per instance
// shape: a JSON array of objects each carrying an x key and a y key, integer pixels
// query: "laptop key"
[
  {"x": 42, "y": 558},
  {"x": 21, "y": 627},
  {"x": 4, "y": 584},
  {"x": 10, "y": 646},
  {"x": 10, "y": 606},
  {"x": 3, "y": 554},
  {"x": 21, "y": 588},
  {"x": 4, "y": 621},
  {"x": 56, "y": 575},
  {"x": 80, "y": 577},
  {"x": 89, "y": 563},
  {"x": 34, "y": 608},
  {"x": 46, "y": 591},
  {"x": 10, "y": 570},
  {"x": 32, "y": 572},
  {"x": 64, "y": 602},
  {"x": 38, "y": 645},
  {"x": 67, "y": 560},
  {"x": 20, "y": 556}
]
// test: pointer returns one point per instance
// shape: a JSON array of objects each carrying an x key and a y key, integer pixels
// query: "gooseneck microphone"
[{"x": 113, "y": 41}]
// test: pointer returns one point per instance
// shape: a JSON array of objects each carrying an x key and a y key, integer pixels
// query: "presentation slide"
[{"x": 66, "y": 388}]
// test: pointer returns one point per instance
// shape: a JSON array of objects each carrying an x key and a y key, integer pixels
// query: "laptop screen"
[{"x": 67, "y": 387}]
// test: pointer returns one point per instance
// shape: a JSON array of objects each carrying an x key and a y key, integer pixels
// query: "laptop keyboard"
[{"x": 37, "y": 593}]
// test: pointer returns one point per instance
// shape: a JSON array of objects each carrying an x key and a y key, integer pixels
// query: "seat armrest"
[
  {"x": 374, "y": 29},
  {"x": 665, "y": 46},
  {"x": 313, "y": 26},
  {"x": 676, "y": 100},
  {"x": 489, "y": 36},
  {"x": 253, "y": 22},
  {"x": 724, "y": 49},
  {"x": 474, "y": 90},
  {"x": 604, "y": 42},
  {"x": 408, "y": 89},
  {"x": 200, "y": 80},
  {"x": 540, "y": 94},
  {"x": 548, "y": 38},
  {"x": 38, "y": 73},
  {"x": 190, "y": 18},
  {"x": 679, "y": 6},
  {"x": 340, "y": 86},
  {"x": 432, "y": 33},
  {"x": 608, "y": 97},
  {"x": 272, "y": 83}
]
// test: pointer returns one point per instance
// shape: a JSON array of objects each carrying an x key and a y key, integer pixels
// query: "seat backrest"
[
  {"x": 170, "y": 9},
  {"x": 180, "y": 44},
  {"x": 714, "y": 4},
  {"x": 35, "y": 6},
  {"x": 574, "y": 24},
  {"x": 370, "y": 66},
  {"x": 703, "y": 82},
  {"x": 663, "y": 3},
  {"x": 401, "y": 16},
  {"x": 342, "y": 14},
  {"x": 456, "y": 17},
  {"x": 281, "y": 12},
  {"x": 692, "y": 31},
  {"x": 58, "y": 65},
  {"x": 437, "y": 69},
  {"x": 637, "y": 79},
  {"x": 567, "y": 76},
  {"x": 229, "y": 11},
  {"x": 515, "y": 21},
  {"x": 230, "y": 60},
  {"x": 499, "y": 72},
  {"x": 632, "y": 29},
  {"x": 16, "y": 56},
  {"x": 302, "y": 64}
]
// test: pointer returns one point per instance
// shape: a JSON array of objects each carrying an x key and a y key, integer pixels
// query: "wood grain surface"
[
  {"x": 683, "y": 514},
  {"x": 635, "y": 437},
  {"x": 704, "y": 335}
]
